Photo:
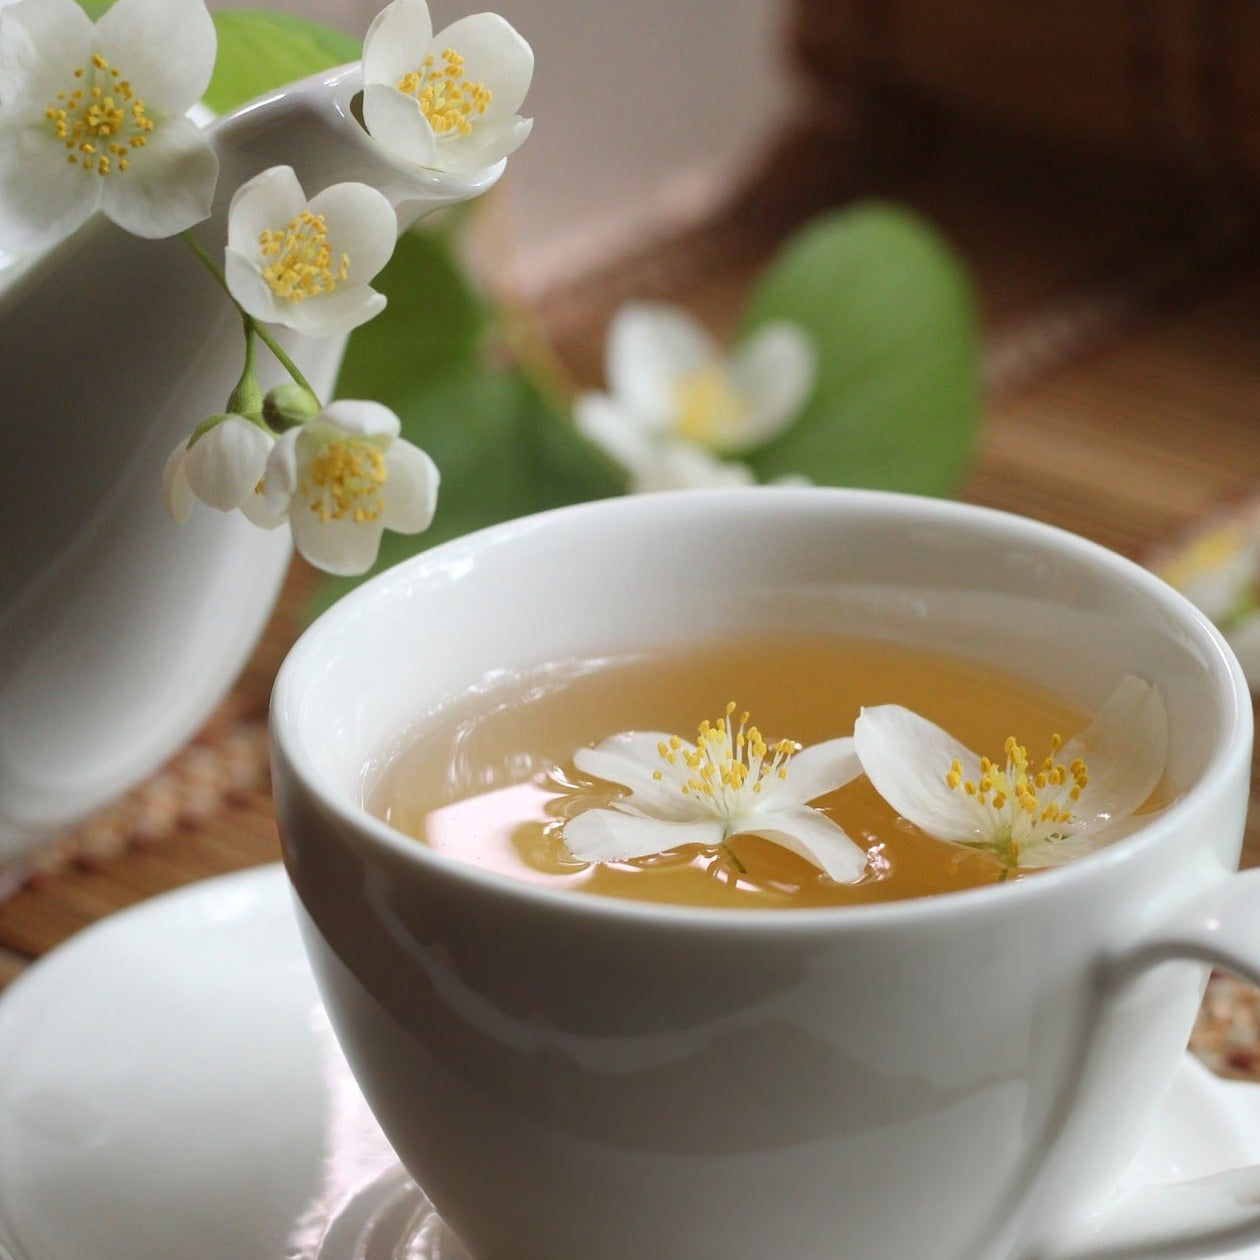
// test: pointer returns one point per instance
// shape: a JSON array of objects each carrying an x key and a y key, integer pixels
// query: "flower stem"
[
  {"x": 246, "y": 399},
  {"x": 264, "y": 335},
  {"x": 735, "y": 862},
  {"x": 251, "y": 324}
]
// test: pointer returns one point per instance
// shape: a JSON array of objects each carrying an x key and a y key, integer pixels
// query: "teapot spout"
[{"x": 315, "y": 127}]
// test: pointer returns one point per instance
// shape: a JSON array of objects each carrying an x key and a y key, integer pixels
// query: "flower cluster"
[
  {"x": 93, "y": 117},
  {"x": 1025, "y": 812}
]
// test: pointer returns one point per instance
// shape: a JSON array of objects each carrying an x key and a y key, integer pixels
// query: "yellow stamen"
[
  {"x": 448, "y": 100},
  {"x": 998, "y": 786},
  {"x": 302, "y": 263},
  {"x": 728, "y": 758},
  {"x": 345, "y": 481},
  {"x": 87, "y": 114},
  {"x": 707, "y": 411}
]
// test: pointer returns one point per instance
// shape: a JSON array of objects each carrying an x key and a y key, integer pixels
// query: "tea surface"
[{"x": 490, "y": 779}]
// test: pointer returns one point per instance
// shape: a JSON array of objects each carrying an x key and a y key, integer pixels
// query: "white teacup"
[{"x": 961, "y": 1077}]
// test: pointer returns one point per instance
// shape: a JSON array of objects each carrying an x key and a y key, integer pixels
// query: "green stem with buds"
[
  {"x": 246, "y": 399},
  {"x": 252, "y": 326}
]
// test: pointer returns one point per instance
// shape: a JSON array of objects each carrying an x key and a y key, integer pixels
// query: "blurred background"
[{"x": 645, "y": 114}]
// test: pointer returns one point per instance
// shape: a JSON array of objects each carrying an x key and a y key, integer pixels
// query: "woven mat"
[{"x": 1123, "y": 378}]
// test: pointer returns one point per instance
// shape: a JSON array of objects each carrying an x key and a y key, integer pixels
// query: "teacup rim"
[{"x": 1234, "y": 744}]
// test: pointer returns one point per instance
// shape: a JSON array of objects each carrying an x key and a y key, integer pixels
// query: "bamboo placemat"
[{"x": 1123, "y": 385}]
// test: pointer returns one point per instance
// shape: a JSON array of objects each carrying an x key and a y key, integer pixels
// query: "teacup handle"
[{"x": 1206, "y": 1216}]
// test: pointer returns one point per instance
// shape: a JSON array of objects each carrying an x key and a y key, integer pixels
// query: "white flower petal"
[
  {"x": 906, "y": 758},
  {"x": 396, "y": 122},
  {"x": 774, "y": 371},
  {"x": 248, "y": 288},
  {"x": 255, "y": 510},
  {"x": 269, "y": 200},
  {"x": 396, "y": 41},
  {"x": 170, "y": 185},
  {"x": 650, "y": 346},
  {"x": 226, "y": 463},
  {"x": 816, "y": 838},
  {"x": 166, "y": 48},
  {"x": 41, "y": 43},
  {"x": 361, "y": 224},
  {"x": 280, "y": 481},
  {"x": 602, "y": 422},
  {"x": 1043, "y": 851},
  {"x": 43, "y": 199},
  {"x": 329, "y": 315},
  {"x": 631, "y": 760},
  {"x": 681, "y": 466},
  {"x": 1125, "y": 749},
  {"x": 412, "y": 489},
  {"x": 361, "y": 417},
  {"x": 608, "y": 835},
  {"x": 814, "y": 771},
  {"x": 489, "y": 143},
  {"x": 177, "y": 494},
  {"x": 496, "y": 55},
  {"x": 346, "y": 548}
]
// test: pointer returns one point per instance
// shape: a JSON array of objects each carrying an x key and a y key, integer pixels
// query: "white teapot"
[{"x": 121, "y": 630}]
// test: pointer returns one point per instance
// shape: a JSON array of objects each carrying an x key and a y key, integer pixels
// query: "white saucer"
[{"x": 169, "y": 1087}]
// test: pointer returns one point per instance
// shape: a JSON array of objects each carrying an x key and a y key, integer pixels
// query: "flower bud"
[{"x": 289, "y": 405}]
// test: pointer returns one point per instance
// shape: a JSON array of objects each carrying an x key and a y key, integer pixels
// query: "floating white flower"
[
  {"x": 223, "y": 465},
  {"x": 728, "y": 783},
  {"x": 344, "y": 478},
  {"x": 677, "y": 407},
  {"x": 1025, "y": 812},
  {"x": 307, "y": 264},
  {"x": 92, "y": 117},
  {"x": 448, "y": 101}
]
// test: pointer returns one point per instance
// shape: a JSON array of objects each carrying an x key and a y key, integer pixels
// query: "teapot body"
[{"x": 120, "y": 630}]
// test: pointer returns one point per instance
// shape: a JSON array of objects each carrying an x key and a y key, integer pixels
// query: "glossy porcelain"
[
  {"x": 169, "y": 1085},
  {"x": 963, "y": 1076},
  {"x": 120, "y": 630}
]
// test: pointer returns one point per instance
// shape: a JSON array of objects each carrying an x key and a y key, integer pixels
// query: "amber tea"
[{"x": 490, "y": 779}]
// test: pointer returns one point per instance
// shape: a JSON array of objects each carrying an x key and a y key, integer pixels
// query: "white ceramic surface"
[
  {"x": 571, "y": 1075},
  {"x": 169, "y": 1087},
  {"x": 120, "y": 630}
]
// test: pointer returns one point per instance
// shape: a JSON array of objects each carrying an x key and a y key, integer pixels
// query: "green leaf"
[
  {"x": 433, "y": 326},
  {"x": 94, "y": 8},
  {"x": 897, "y": 400},
  {"x": 260, "y": 51},
  {"x": 503, "y": 452}
]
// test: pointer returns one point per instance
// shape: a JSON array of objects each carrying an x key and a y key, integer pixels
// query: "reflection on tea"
[{"x": 490, "y": 779}]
